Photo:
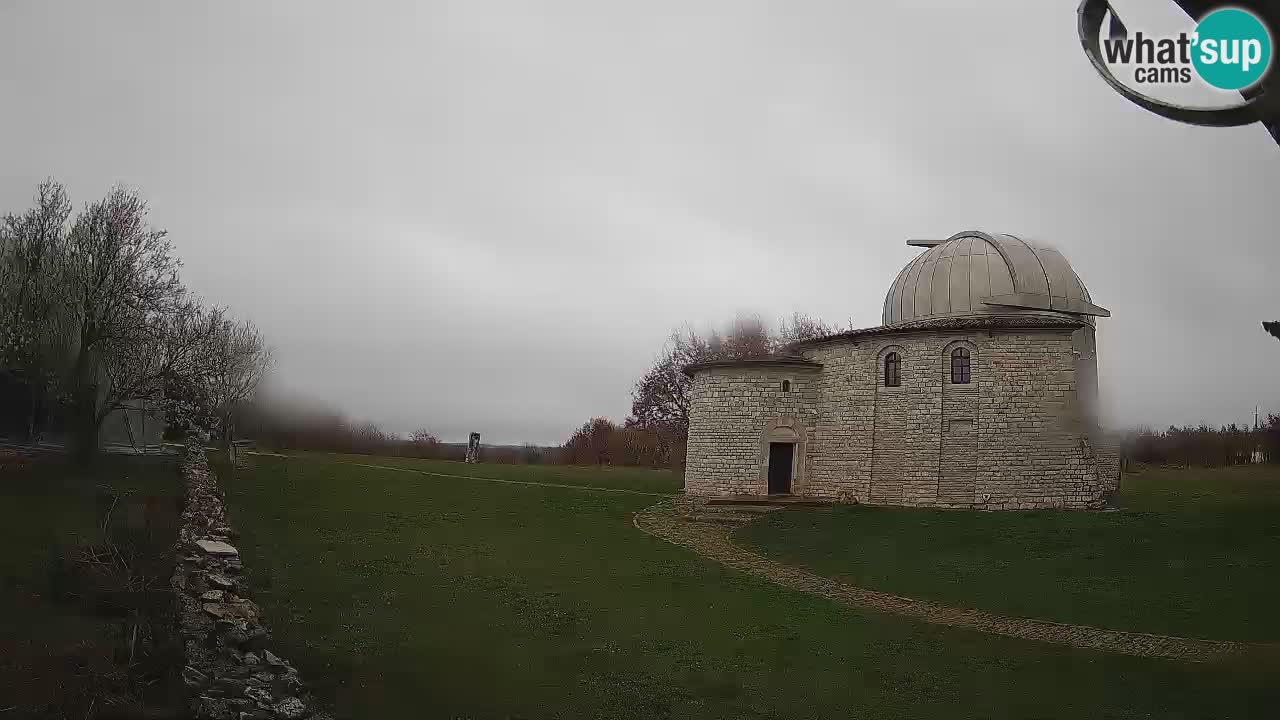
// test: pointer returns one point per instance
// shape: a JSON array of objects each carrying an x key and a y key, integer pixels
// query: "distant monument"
[{"x": 473, "y": 448}]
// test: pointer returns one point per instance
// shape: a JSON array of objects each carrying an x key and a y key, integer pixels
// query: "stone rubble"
[{"x": 231, "y": 673}]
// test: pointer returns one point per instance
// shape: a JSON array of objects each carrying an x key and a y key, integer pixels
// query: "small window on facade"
[
  {"x": 960, "y": 366},
  {"x": 892, "y": 370},
  {"x": 786, "y": 386}
]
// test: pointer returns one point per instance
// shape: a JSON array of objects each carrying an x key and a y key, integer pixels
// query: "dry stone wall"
[
  {"x": 1016, "y": 437},
  {"x": 231, "y": 671}
]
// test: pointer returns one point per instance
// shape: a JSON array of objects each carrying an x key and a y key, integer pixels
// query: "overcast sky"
[{"x": 488, "y": 216}]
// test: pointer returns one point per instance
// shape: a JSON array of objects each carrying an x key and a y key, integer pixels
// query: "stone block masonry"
[
  {"x": 1018, "y": 436},
  {"x": 734, "y": 411},
  {"x": 231, "y": 671}
]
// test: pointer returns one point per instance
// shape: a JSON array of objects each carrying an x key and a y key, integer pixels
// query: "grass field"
[
  {"x": 622, "y": 478},
  {"x": 407, "y": 595},
  {"x": 1195, "y": 553},
  {"x": 56, "y": 659}
]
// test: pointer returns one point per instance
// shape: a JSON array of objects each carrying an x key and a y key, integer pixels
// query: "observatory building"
[{"x": 978, "y": 391}]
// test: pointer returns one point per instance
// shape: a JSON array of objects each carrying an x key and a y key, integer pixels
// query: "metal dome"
[{"x": 978, "y": 273}]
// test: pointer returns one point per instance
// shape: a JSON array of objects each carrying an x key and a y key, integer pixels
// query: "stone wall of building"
[
  {"x": 904, "y": 466},
  {"x": 1015, "y": 437},
  {"x": 959, "y": 454},
  {"x": 1032, "y": 451},
  {"x": 842, "y": 454},
  {"x": 732, "y": 413}
]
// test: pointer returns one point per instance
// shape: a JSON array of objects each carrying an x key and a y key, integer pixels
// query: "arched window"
[
  {"x": 960, "y": 366},
  {"x": 786, "y": 386},
  {"x": 892, "y": 370}
]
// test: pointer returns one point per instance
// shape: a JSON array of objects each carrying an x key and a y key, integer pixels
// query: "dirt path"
[{"x": 710, "y": 540}]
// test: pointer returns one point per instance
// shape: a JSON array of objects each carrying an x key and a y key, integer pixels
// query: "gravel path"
[{"x": 666, "y": 521}]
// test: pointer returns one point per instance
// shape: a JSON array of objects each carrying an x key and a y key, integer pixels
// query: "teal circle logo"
[{"x": 1232, "y": 49}]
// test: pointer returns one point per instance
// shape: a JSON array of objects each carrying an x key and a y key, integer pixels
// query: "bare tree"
[
  {"x": 423, "y": 442},
  {"x": 99, "y": 306},
  {"x": 799, "y": 328},
  {"x": 660, "y": 398},
  {"x": 595, "y": 443},
  {"x": 125, "y": 302},
  {"x": 32, "y": 307},
  {"x": 160, "y": 354},
  {"x": 746, "y": 337},
  {"x": 238, "y": 359}
]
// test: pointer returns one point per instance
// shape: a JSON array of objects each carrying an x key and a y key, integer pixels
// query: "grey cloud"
[{"x": 488, "y": 216}]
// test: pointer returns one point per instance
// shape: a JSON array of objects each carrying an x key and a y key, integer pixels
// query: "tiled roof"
[
  {"x": 781, "y": 360},
  {"x": 1028, "y": 321}
]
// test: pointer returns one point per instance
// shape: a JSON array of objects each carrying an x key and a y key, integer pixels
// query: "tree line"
[
  {"x": 275, "y": 422},
  {"x": 94, "y": 319},
  {"x": 653, "y": 435},
  {"x": 1205, "y": 446},
  {"x": 656, "y": 431}
]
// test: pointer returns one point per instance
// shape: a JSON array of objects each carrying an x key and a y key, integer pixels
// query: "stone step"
[
  {"x": 769, "y": 500},
  {"x": 724, "y": 512},
  {"x": 720, "y": 518},
  {"x": 753, "y": 509}
]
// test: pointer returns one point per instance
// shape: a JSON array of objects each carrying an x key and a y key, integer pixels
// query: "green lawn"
[
  {"x": 53, "y": 656},
  {"x": 1193, "y": 553},
  {"x": 625, "y": 478},
  {"x": 407, "y": 595}
]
